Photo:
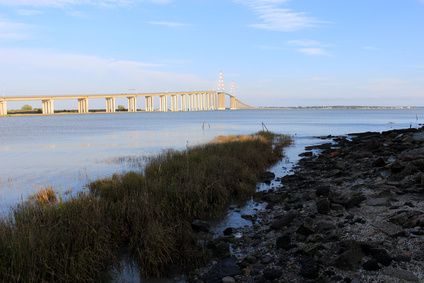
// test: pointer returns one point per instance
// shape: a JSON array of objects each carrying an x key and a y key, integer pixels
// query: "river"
[{"x": 68, "y": 151}]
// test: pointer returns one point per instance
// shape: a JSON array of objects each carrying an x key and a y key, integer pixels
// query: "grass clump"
[{"x": 147, "y": 214}]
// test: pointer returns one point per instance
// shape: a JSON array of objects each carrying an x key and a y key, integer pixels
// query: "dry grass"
[{"x": 147, "y": 214}]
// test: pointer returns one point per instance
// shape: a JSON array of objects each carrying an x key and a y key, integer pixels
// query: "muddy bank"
[{"x": 352, "y": 213}]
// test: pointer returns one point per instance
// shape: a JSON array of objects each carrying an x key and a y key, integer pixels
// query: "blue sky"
[{"x": 278, "y": 52}]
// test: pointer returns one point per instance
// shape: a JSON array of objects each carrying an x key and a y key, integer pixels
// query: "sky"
[{"x": 278, "y": 52}]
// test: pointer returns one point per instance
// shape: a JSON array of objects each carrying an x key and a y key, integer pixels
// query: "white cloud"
[
  {"x": 273, "y": 17},
  {"x": 64, "y": 3},
  {"x": 167, "y": 24},
  {"x": 304, "y": 42},
  {"x": 37, "y": 71},
  {"x": 29, "y": 12},
  {"x": 310, "y": 47},
  {"x": 10, "y": 30},
  {"x": 313, "y": 51}
]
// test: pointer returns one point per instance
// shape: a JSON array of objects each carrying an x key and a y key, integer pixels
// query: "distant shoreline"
[
  {"x": 102, "y": 111},
  {"x": 339, "y": 107}
]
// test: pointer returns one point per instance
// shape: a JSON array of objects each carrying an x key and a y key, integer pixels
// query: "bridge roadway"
[{"x": 179, "y": 101}]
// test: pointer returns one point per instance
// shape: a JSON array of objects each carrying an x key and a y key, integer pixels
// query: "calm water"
[{"x": 66, "y": 152}]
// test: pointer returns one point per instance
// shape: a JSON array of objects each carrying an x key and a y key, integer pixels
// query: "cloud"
[
  {"x": 167, "y": 24},
  {"x": 37, "y": 71},
  {"x": 370, "y": 48},
  {"x": 275, "y": 18},
  {"x": 12, "y": 31},
  {"x": 64, "y": 3},
  {"x": 310, "y": 47},
  {"x": 29, "y": 12},
  {"x": 313, "y": 51}
]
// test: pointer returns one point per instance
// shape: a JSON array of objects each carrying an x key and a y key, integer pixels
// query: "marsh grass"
[{"x": 147, "y": 214}]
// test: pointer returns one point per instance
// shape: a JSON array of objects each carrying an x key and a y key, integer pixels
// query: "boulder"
[{"x": 200, "y": 226}]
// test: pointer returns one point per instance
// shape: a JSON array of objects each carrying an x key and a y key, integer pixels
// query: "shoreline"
[
  {"x": 152, "y": 216},
  {"x": 352, "y": 213}
]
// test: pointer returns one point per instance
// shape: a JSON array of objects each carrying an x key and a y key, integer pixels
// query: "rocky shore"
[{"x": 352, "y": 212}]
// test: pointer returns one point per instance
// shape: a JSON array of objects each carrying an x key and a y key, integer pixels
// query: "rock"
[
  {"x": 378, "y": 202},
  {"x": 380, "y": 255},
  {"x": 401, "y": 274},
  {"x": 306, "y": 154},
  {"x": 322, "y": 191},
  {"x": 379, "y": 162},
  {"x": 309, "y": 268},
  {"x": 350, "y": 257},
  {"x": 305, "y": 229},
  {"x": 320, "y": 146},
  {"x": 224, "y": 268},
  {"x": 417, "y": 153},
  {"x": 419, "y": 137},
  {"x": 250, "y": 217},
  {"x": 347, "y": 199},
  {"x": 272, "y": 273},
  {"x": 396, "y": 167},
  {"x": 323, "y": 206},
  {"x": 220, "y": 249},
  {"x": 371, "y": 265},
  {"x": 266, "y": 259},
  {"x": 283, "y": 242},
  {"x": 228, "y": 279},
  {"x": 251, "y": 259},
  {"x": 283, "y": 221},
  {"x": 388, "y": 228},
  {"x": 200, "y": 226},
  {"x": 228, "y": 231},
  {"x": 409, "y": 218},
  {"x": 267, "y": 177}
]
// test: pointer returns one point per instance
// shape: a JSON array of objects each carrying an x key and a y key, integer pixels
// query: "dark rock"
[
  {"x": 371, "y": 265},
  {"x": 408, "y": 218},
  {"x": 228, "y": 231},
  {"x": 396, "y": 167},
  {"x": 347, "y": 199},
  {"x": 225, "y": 267},
  {"x": 220, "y": 249},
  {"x": 305, "y": 230},
  {"x": 309, "y": 268},
  {"x": 267, "y": 176},
  {"x": 350, "y": 257},
  {"x": 200, "y": 226},
  {"x": 380, "y": 255},
  {"x": 272, "y": 273},
  {"x": 323, "y": 206},
  {"x": 283, "y": 221},
  {"x": 306, "y": 154},
  {"x": 283, "y": 242},
  {"x": 323, "y": 191},
  {"x": 379, "y": 162}
]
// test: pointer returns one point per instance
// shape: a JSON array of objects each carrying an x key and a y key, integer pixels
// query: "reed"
[{"x": 147, "y": 214}]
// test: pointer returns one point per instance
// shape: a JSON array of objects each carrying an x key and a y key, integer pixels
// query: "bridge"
[{"x": 168, "y": 101}]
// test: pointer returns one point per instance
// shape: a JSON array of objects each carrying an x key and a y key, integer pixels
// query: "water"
[{"x": 68, "y": 151}]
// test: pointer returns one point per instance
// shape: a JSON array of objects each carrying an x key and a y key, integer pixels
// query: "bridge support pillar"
[
  {"x": 191, "y": 102},
  {"x": 163, "y": 103},
  {"x": 48, "y": 107},
  {"x": 132, "y": 104},
  {"x": 183, "y": 103},
  {"x": 208, "y": 101},
  {"x": 202, "y": 102},
  {"x": 221, "y": 101},
  {"x": 148, "y": 103},
  {"x": 174, "y": 103},
  {"x": 110, "y": 104},
  {"x": 233, "y": 103},
  {"x": 82, "y": 105},
  {"x": 3, "y": 108}
]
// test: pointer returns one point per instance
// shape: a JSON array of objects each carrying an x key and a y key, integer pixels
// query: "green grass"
[{"x": 147, "y": 215}]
